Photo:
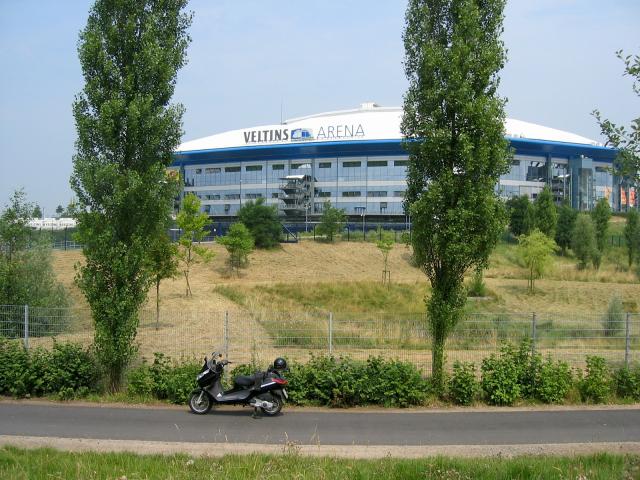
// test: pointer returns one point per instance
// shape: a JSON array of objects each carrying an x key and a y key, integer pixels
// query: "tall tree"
[
  {"x": 192, "y": 222},
  {"x": 519, "y": 223},
  {"x": 583, "y": 240},
  {"x": 626, "y": 140},
  {"x": 454, "y": 126},
  {"x": 632, "y": 236},
  {"x": 546, "y": 213},
  {"x": 601, "y": 215},
  {"x": 566, "y": 221},
  {"x": 263, "y": 223},
  {"x": 130, "y": 52},
  {"x": 37, "y": 212},
  {"x": 59, "y": 210}
]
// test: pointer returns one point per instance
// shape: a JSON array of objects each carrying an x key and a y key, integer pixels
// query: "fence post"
[
  {"x": 627, "y": 342},
  {"x": 534, "y": 333},
  {"x": 330, "y": 333},
  {"x": 226, "y": 335},
  {"x": 26, "y": 327}
]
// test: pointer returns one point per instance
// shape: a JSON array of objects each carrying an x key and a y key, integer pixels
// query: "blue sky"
[{"x": 249, "y": 58}]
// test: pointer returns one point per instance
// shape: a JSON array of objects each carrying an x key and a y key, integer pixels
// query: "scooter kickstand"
[{"x": 257, "y": 413}]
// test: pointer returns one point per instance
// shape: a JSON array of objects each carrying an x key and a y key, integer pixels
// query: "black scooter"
[{"x": 264, "y": 390}]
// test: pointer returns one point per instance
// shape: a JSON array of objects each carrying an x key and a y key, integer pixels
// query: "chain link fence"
[{"x": 261, "y": 336}]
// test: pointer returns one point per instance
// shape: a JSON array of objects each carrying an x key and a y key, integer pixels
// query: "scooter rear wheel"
[
  {"x": 275, "y": 400},
  {"x": 200, "y": 403}
]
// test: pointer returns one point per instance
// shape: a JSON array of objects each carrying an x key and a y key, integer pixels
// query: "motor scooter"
[{"x": 265, "y": 391}]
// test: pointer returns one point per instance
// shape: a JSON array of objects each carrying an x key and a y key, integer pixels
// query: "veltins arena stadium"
[{"x": 355, "y": 159}]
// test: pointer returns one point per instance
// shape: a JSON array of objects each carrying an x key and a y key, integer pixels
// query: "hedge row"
[{"x": 69, "y": 370}]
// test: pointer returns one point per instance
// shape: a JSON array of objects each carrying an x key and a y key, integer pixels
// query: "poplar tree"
[
  {"x": 130, "y": 52},
  {"x": 546, "y": 213},
  {"x": 454, "y": 127}
]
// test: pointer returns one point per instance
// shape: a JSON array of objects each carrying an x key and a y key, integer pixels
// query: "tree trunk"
[
  {"x": 157, "y": 303},
  {"x": 186, "y": 277}
]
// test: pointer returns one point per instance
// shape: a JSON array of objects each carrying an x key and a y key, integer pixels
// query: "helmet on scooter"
[{"x": 280, "y": 363}]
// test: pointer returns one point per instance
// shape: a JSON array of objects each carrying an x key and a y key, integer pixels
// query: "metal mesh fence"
[{"x": 261, "y": 336}]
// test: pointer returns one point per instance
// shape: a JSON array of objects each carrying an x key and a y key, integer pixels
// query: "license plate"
[{"x": 286, "y": 395}]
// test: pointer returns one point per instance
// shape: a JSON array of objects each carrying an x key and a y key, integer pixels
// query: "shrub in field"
[
  {"x": 627, "y": 382},
  {"x": 613, "y": 321},
  {"x": 595, "y": 386},
  {"x": 463, "y": 386},
  {"x": 181, "y": 381},
  {"x": 554, "y": 380},
  {"x": 476, "y": 286},
  {"x": 140, "y": 381},
  {"x": 391, "y": 383}
]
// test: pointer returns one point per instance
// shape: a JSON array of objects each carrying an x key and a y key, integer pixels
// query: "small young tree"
[
  {"x": 546, "y": 213},
  {"x": 263, "y": 223},
  {"x": 517, "y": 208},
  {"x": 385, "y": 245},
  {"x": 600, "y": 216},
  {"x": 536, "y": 250},
  {"x": 566, "y": 222},
  {"x": 192, "y": 222},
  {"x": 583, "y": 240},
  {"x": 239, "y": 243},
  {"x": 163, "y": 256},
  {"x": 331, "y": 221},
  {"x": 632, "y": 236}
]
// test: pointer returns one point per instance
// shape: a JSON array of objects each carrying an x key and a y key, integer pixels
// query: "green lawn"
[{"x": 51, "y": 464}]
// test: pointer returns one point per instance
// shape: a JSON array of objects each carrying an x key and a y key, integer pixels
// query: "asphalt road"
[{"x": 325, "y": 428}]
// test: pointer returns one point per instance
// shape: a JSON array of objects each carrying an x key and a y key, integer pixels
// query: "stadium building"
[{"x": 355, "y": 159}]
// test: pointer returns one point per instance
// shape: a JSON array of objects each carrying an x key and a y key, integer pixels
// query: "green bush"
[
  {"x": 553, "y": 382},
  {"x": 596, "y": 385},
  {"x": 627, "y": 382},
  {"x": 463, "y": 386},
  {"x": 344, "y": 382},
  {"x": 476, "y": 286},
  {"x": 613, "y": 321},
  {"x": 500, "y": 378},
  {"x": 164, "y": 379},
  {"x": 14, "y": 369},
  {"x": 66, "y": 371}
]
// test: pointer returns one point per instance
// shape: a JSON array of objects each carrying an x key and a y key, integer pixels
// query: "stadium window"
[
  {"x": 376, "y": 194},
  {"x": 296, "y": 166},
  {"x": 253, "y": 168},
  {"x": 324, "y": 165},
  {"x": 324, "y": 194},
  {"x": 232, "y": 196},
  {"x": 212, "y": 170},
  {"x": 198, "y": 171},
  {"x": 231, "y": 169},
  {"x": 398, "y": 193},
  {"x": 351, "y": 164},
  {"x": 351, "y": 194},
  {"x": 400, "y": 163},
  {"x": 377, "y": 163},
  {"x": 252, "y": 195},
  {"x": 275, "y": 195},
  {"x": 277, "y": 166}
]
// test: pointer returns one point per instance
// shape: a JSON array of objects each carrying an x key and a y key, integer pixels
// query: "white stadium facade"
[{"x": 356, "y": 160}]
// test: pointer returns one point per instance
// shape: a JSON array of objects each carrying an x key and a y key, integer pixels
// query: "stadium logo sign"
[{"x": 325, "y": 132}]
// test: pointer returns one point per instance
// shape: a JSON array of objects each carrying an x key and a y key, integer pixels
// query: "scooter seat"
[{"x": 244, "y": 381}]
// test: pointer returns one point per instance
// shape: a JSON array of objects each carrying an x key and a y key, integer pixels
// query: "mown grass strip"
[{"x": 51, "y": 464}]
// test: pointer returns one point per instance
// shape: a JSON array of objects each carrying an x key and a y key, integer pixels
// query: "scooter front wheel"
[{"x": 200, "y": 403}]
